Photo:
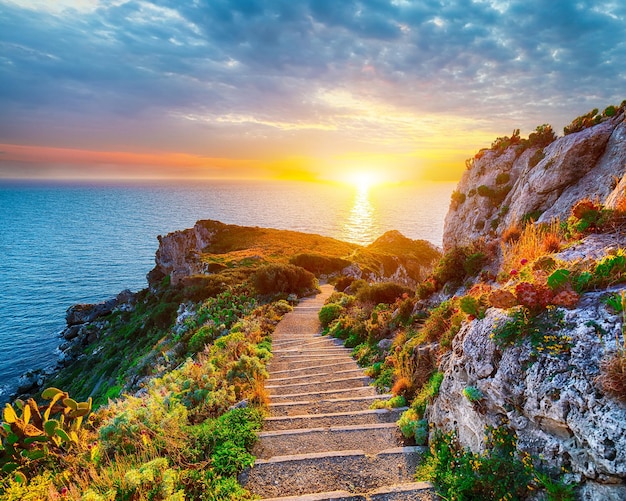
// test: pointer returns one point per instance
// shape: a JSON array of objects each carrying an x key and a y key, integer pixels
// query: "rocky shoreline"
[{"x": 81, "y": 330}]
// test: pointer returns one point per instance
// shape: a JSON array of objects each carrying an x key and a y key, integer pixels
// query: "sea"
[{"x": 68, "y": 243}]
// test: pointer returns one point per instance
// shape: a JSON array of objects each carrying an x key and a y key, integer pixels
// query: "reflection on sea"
[{"x": 361, "y": 226}]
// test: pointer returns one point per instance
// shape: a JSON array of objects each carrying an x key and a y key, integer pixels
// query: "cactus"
[{"x": 35, "y": 434}]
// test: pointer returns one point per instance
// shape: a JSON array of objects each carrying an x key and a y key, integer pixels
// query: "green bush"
[
  {"x": 385, "y": 292},
  {"x": 203, "y": 336},
  {"x": 542, "y": 137},
  {"x": 503, "y": 178},
  {"x": 458, "y": 264},
  {"x": 329, "y": 312},
  {"x": 457, "y": 198},
  {"x": 461, "y": 475},
  {"x": 283, "y": 278},
  {"x": 472, "y": 394},
  {"x": 319, "y": 264},
  {"x": 427, "y": 394}
]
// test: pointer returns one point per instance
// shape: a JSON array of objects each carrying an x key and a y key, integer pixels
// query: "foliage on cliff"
[{"x": 181, "y": 438}]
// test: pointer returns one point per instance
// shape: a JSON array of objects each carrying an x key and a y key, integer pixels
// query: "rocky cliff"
[
  {"x": 553, "y": 401},
  {"x": 503, "y": 188}
]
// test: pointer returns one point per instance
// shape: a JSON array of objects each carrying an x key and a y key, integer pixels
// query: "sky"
[{"x": 309, "y": 89}]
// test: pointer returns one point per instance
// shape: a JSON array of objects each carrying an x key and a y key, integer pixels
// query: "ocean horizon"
[{"x": 63, "y": 243}]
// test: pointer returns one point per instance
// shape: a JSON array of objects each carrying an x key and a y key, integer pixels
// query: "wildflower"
[
  {"x": 523, "y": 261},
  {"x": 64, "y": 491},
  {"x": 513, "y": 272}
]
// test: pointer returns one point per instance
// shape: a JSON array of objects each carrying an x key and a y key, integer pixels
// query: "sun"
[{"x": 364, "y": 180}]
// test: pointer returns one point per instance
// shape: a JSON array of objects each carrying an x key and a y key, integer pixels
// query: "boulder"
[{"x": 84, "y": 313}]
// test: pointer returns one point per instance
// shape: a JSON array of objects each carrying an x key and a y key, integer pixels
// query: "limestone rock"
[
  {"x": 552, "y": 401},
  {"x": 590, "y": 163},
  {"x": 178, "y": 252}
]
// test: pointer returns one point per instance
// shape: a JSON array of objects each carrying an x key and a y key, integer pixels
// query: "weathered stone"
[
  {"x": 178, "y": 252},
  {"x": 84, "y": 313},
  {"x": 553, "y": 402},
  {"x": 71, "y": 332},
  {"x": 579, "y": 165}
]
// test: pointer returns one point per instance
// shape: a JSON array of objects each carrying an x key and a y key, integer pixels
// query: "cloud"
[{"x": 211, "y": 73}]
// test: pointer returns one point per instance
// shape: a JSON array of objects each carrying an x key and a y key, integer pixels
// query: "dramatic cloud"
[{"x": 268, "y": 80}]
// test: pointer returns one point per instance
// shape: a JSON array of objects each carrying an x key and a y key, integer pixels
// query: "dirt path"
[{"x": 321, "y": 440}]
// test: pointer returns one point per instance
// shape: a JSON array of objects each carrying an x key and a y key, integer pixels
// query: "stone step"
[
  {"x": 369, "y": 416},
  {"x": 315, "y": 396},
  {"x": 312, "y": 351},
  {"x": 370, "y": 438},
  {"x": 305, "y": 369},
  {"x": 322, "y": 375},
  {"x": 414, "y": 491},
  {"x": 353, "y": 471},
  {"x": 321, "y": 354},
  {"x": 306, "y": 362},
  {"x": 309, "y": 341},
  {"x": 314, "y": 385},
  {"x": 324, "y": 406}
]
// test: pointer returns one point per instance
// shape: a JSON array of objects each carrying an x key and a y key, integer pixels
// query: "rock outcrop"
[
  {"x": 179, "y": 252},
  {"x": 590, "y": 163},
  {"x": 553, "y": 402}
]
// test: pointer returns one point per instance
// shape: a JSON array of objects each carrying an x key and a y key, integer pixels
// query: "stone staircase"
[{"x": 321, "y": 440}]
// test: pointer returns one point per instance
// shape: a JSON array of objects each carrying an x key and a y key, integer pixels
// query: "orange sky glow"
[{"x": 386, "y": 90}]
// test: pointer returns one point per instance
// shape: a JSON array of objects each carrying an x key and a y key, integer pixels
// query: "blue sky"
[{"x": 251, "y": 88}]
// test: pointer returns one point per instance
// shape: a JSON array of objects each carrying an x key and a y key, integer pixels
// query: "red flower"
[
  {"x": 64, "y": 491},
  {"x": 513, "y": 273},
  {"x": 523, "y": 261}
]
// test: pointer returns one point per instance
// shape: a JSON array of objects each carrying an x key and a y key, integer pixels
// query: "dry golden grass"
[
  {"x": 535, "y": 241},
  {"x": 551, "y": 243},
  {"x": 612, "y": 376},
  {"x": 511, "y": 234}
]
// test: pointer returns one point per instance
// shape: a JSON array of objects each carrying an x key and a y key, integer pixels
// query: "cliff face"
[
  {"x": 178, "y": 254},
  {"x": 552, "y": 401},
  {"x": 590, "y": 163}
]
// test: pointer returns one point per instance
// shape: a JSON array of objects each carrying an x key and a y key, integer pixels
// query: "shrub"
[
  {"x": 612, "y": 377},
  {"x": 545, "y": 331},
  {"x": 283, "y": 278},
  {"x": 472, "y": 306},
  {"x": 609, "y": 111},
  {"x": 582, "y": 122},
  {"x": 319, "y": 264},
  {"x": 425, "y": 289},
  {"x": 542, "y": 136},
  {"x": 458, "y": 264},
  {"x": 385, "y": 292},
  {"x": 457, "y": 198},
  {"x": 485, "y": 191},
  {"x": 343, "y": 283},
  {"x": 411, "y": 426},
  {"x": 459, "y": 474},
  {"x": 503, "y": 178},
  {"x": 427, "y": 394},
  {"x": 531, "y": 217},
  {"x": 537, "y": 157},
  {"x": 472, "y": 394},
  {"x": 511, "y": 234},
  {"x": 329, "y": 312}
]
